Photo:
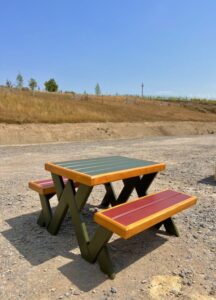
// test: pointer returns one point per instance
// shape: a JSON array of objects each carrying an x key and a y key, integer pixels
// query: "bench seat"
[
  {"x": 130, "y": 218},
  {"x": 45, "y": 186}
]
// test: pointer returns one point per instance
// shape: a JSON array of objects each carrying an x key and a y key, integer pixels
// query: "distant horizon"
[
  {"x": 169, "y": 46},
  {"x": 60, "y": 91},
  {"x": 162, "y": 94}
]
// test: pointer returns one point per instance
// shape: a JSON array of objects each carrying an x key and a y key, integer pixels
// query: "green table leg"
[
  {"x": 141, "y": 186},
  {"x": 63, "y": 194},
  {"x": 59, "y": 185},
  {"x": 94, "y": 249},
  {"x": 105, "y": 263},
  {"x": 110, "y": 196},
  {"x": 98, "y": 241},
  {"x": 143, "y": 183},
  {"x": 75, "y": 202}
]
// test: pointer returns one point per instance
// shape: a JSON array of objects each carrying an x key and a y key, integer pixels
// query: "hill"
[{"x": 23, "y": 106}]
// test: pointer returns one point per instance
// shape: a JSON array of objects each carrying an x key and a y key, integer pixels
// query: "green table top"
[{"x": 103, "y": 169}]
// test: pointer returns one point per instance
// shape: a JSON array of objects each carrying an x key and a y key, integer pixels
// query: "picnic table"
[
  {"x": 135, "y": 173},
  {"x": 74, "y": 181}
]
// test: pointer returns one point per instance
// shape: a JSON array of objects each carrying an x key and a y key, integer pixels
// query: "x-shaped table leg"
[
  {"x": 141, "y": 186},
  {"x": 95, "y": 248},
  {"x": 64, "y": 194},
  {"x": 91, "y": 249}
]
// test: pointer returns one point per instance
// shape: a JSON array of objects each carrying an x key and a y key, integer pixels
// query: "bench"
[
  {"x": 46, "y": 190},
  {"x": 131, "y": 218}
]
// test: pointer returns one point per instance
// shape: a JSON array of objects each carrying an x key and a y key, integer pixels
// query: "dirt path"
[
  {"x": 41, "y": 133},
  {"x": 36, "y": 265}
]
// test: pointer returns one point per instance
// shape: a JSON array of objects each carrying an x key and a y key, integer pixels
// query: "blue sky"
[{"x": 169, "y": 45}]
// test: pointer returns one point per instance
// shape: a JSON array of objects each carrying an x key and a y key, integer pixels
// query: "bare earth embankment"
[
  {"x": 44, "y": 133},
  {"x": 35, "y": 265}
]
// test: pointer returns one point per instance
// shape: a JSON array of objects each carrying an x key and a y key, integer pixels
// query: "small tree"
[
  {"x": 32, "y": 84},
  {"x": 8, "y": 84},
  {"x": 51, "y": 85},
  {"x": 19, "y": 80},
  {"x": 97, "y": 90}
]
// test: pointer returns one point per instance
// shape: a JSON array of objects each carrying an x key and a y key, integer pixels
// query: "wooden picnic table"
[
  {"x": 72, "y": 181},
  {"x": 135, "y": 173}
]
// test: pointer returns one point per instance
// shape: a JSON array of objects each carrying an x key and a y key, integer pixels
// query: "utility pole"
[{"x": 142, "y": 86}]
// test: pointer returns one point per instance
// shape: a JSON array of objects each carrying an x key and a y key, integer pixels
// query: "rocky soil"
[{"x": 152, "y": 265}]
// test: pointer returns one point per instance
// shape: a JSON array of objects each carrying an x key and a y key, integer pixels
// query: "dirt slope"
[{"x": 39, "y": 133}]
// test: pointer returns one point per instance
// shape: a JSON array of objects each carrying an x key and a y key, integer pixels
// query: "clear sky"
[{"x": 169, "y": 45}]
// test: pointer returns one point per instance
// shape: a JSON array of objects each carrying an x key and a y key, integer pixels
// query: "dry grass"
[{"x": 25, "y": 107}]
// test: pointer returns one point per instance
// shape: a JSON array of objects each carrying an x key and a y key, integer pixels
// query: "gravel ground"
[{"x": 152, "y": 265}]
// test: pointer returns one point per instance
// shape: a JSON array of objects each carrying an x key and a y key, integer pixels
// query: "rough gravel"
[{"x": 152, "y": 265}]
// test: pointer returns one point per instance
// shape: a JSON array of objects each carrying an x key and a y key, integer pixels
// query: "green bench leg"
[
  {"x": 46, "y": 213},
  {"x": 169, "y": 226},
  {"x": 58, "y": 217},
  {"x": 75, "y": 204},
  {"x": 40, "y": 220}
]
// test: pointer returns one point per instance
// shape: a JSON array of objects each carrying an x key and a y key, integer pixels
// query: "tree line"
[{"x": 50, "y": 85}]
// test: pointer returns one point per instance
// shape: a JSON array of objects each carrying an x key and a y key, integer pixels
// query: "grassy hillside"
[{"x": 26, "y": 107}]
